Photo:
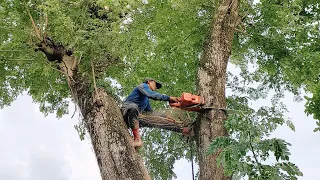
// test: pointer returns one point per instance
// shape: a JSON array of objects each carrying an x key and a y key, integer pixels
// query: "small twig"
[
  {"x": 56, "y": 69},
  {"x": 9, "y": 50},
  {"x": 79, "y": 59},
  {"x": 75, "y": 107},
  {"x": 189, "y": 118},
  {"x": 45, "y": 27},
  {"x": 46, "y": 23},
  {"x": 254, "y": 154},
  {"x": 191, "y": 154},
  {"x": 94, "y": 79},
  {"x": 32, "y": 21},
  {"x": 16, "y": 59}
]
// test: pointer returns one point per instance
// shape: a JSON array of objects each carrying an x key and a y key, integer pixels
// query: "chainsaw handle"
[{"x": 175, "y": 104}]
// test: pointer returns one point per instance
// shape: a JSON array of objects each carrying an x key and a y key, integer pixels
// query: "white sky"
[{"x": 37, "y": 148}]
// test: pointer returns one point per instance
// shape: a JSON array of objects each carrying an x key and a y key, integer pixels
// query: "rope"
[
  {"x": 191, "y": 153},
  {"x": 159, "y": 119},
  {"x": 160, "y": 122},
  {"x": 226, "y": 111}
]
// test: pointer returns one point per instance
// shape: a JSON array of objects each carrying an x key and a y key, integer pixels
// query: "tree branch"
[
  {"x": 254, "y": 154},
  {"x": 9, "y": 50},
  {"x": 16, "y": 59},
  {"x": 32, "y": 21},
  {"x": 45, "y": 26},
  {"x": 94, "y": 79}
]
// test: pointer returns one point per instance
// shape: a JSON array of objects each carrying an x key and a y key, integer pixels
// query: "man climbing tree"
[
  {"x": 138, "y": 102},
  {"x": 80, "y": 44}
]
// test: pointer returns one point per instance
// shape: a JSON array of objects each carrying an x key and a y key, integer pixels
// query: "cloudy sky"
[{"x": 34, "y": 147}]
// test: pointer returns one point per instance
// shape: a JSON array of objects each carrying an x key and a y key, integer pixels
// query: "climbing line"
[{"x": 191, "y": 154}]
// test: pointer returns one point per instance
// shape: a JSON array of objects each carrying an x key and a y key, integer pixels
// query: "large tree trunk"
[
  {"x": 116, "y": 157},
  {"x": 211, "y": 85}
]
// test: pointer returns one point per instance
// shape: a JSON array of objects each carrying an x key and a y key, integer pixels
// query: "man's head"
[{"x": 153, "y": 84}]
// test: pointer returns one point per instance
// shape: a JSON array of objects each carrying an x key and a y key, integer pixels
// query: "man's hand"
[{"x": 174, "y": 99}]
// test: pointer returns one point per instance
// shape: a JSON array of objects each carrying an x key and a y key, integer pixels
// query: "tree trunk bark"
[
  {"x": 211, "y": 85},
  {"x": 116, "y": 157}
]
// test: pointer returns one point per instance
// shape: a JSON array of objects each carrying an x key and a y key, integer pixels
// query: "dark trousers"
[{"x": 130, "y": 113}]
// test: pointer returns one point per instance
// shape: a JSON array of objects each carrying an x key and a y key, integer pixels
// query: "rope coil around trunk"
[{"x": 152, "y": 121}]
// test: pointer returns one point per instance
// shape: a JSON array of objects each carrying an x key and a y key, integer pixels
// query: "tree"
[
  {"x": 102, "y": 119},
  {"x": 262, "y": 39},
  {"x": 83, "y": 45}
]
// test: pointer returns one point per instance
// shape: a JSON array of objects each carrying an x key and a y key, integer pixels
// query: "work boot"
[
  {"x": 187, "y": 131},
  {"x": 137, "y": 138}
]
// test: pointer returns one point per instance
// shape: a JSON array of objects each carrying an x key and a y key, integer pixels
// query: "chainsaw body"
[{"x": 189, "y": 102}]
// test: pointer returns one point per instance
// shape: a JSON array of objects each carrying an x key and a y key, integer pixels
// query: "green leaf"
[{"x": 291, "y": 125}]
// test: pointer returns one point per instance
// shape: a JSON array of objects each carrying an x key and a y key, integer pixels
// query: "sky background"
[{"x": 34, "y": 147}]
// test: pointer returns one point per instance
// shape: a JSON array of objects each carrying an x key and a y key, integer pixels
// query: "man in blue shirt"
[{"x": 138, "y": 102}]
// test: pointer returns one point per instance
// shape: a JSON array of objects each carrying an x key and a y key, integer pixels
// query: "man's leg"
[
  {"x": 135, "y": 130},
  {"x": 131, "y": 117}
]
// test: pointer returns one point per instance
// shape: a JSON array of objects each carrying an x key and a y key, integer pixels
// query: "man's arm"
[
  {"x": 148, "y": 108},
  {"x": 144, "y": 89}
]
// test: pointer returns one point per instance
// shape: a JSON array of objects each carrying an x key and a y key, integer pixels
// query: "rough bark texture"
[
  {"x": 211, "y": 85},
  {"x": 116, "y": 157},
  {"x": 111, "y": 141}
]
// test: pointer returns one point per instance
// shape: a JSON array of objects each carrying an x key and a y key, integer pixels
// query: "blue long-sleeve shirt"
[{"x": 141, "y": 94}]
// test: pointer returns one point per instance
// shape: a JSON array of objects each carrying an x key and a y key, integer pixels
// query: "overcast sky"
[{"x": 34, "y": 147}]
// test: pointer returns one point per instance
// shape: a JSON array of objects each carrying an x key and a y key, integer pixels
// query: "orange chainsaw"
[{"x": 189, "y": 102}]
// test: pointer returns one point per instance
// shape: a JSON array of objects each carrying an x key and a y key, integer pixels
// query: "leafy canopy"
[{"x": 163, "y": 39}]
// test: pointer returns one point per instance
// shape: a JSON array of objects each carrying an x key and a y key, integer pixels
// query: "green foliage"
[
  {"x": 246, "y": 151},
  {"x": 80, "y": 128},
  {"x": 281, "y": 41},
  {"x": 87, "y": 28},
  {"x": 161, "y": 150},
  {"x": 312, "y": 106},
  {"x": 163, "y": 43},
  {"x": 130, "y": 40}
]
